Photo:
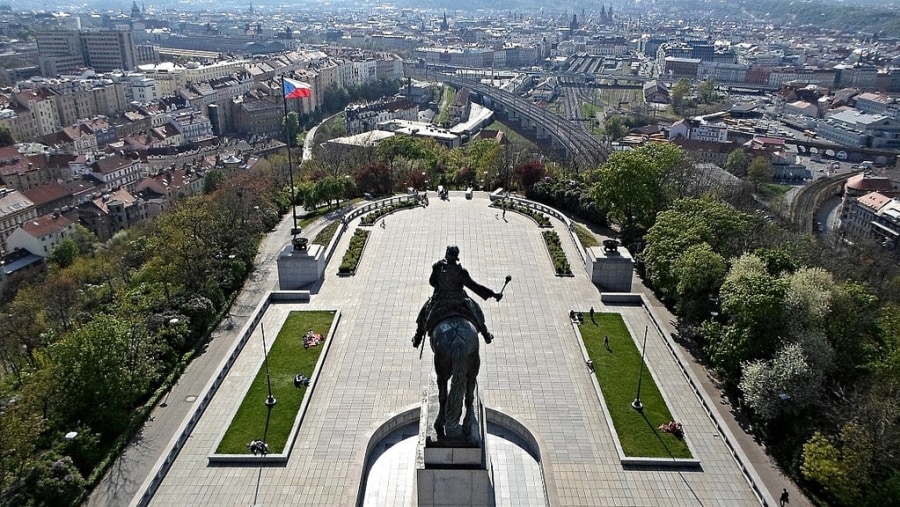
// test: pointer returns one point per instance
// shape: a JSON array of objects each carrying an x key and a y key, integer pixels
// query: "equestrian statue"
[{"x": 454, "y": 321}]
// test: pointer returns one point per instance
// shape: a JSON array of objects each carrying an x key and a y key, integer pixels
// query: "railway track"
[
  {"x": 581, "y": 147},
  {"x": 803, "y": 207}
]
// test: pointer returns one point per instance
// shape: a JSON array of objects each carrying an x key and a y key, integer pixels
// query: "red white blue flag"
[{"x": 296, "y": 89}]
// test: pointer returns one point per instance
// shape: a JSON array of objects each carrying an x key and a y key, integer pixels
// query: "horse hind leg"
[
  {"x": 470, "y": 402},
  {"x": 454, "y": 405},
  {"x": 442, "y": 404}
]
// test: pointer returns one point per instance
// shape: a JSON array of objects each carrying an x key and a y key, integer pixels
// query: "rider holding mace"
[{"x": 449, "y": 278}]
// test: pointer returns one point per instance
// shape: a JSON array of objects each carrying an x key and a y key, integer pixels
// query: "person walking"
[
  {"x": 592, "y": 316},
  {"x": 785, "y": 497}
]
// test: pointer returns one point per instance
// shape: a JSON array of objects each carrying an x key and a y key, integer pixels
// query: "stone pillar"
[{"x": 452, "y": 476}]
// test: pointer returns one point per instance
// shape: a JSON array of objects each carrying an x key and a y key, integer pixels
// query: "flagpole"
[{"x": 294, "y": 229}]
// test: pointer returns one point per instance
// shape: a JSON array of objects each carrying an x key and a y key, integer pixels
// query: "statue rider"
[{"x": 448, "y": 278}]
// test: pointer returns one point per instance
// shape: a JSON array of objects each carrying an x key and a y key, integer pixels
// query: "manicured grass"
[
  {"x": 586, "y": 237},
  {"x": 287, "y": 358},
  {"x": 617, "y": 373}
]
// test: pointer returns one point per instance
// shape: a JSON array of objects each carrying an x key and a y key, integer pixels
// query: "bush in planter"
[
  {"x": 557, "y": 254},
  {"x": 535, "y": 215},
  {"x": 324, "y": 236},
  {"x": 372, "y": 217},
  {"x": 354, "y": 252}
]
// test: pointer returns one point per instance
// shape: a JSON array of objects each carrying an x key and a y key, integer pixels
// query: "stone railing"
[{"x": 372, "y": 206}]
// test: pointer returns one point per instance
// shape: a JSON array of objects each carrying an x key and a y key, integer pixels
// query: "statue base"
[
  {"x": 612, "y": 270},
  {"x": 452, "y": 471},
  {"x": 298, "y": 268}
]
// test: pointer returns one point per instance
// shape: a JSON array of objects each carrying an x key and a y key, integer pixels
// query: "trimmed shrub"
[
  {"x": 540, "y": 218},
  {"x": 354, "y": 252},
  {"x": 373, "y": 217},
  {"x": 557, "y": 254},
  {"x": 324, "y": 236}
]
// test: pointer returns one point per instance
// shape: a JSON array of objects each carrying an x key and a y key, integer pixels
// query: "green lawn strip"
[
  {"x": 617, "y": 373},
  {"x": 586, "y": 237},
  {"x": 324, "y": 236},
  {"x": 287, "y": 358}
]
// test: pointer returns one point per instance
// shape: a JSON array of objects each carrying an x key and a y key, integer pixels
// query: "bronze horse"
[{"x": 454, "y": 341}]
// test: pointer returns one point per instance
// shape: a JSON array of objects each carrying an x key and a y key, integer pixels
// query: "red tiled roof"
[
  {"x": 46, "y": 225},
  {"x": 870, "y": 183},
  {"x": 47, "y": 193},
  {"x": 13, "y": 162},
  {"x": 111, "y": 164},
  {"x": 874, "y": 200}
]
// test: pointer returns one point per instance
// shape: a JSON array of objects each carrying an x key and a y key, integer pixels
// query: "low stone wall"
[
  {"x": 372, "y": 206},
  {"x": 161, "y": 468},
  {"x": 743, "y": 462}
]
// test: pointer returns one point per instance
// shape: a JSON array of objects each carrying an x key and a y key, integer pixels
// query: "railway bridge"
[{"x": 563, "y": 138}]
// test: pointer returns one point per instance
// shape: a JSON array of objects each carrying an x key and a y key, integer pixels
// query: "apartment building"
[
  {"x": 364, "y": 117},
  {"x": 15, "y": 209},
  {"x": 874, "y": 216},
  {"x": 853, "y": 128},
  {"x": 65, "y": 51}
]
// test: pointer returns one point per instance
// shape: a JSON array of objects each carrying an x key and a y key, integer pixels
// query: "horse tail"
[{"x": 458, "y": 353}]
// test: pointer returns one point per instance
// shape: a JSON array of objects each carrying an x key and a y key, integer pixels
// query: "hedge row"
[
  {"x": 354, "y": 252},
  {"x": 373, "y": 217},
  {"x": 557, "y": 255},
  {"x": 324, "y": 236},
  {"x": 541, "y": 219}
]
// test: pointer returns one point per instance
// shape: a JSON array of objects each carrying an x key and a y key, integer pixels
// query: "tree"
[
  {"x": 807, "y": 298},
  {"x": 63, "y": 254},
  {"x": 529, "y": 173},
  {"x": 737, "y": 163},
  {"x": 787, "y": 384},
  {"x": 214, "y": 179},
  {"x": 707, "y": 91},
  {"x": 753, "y": 299},
  {"x": 614, "y": 128},
  {"x": 290, "y": 127},
  {"x": 373, "y": 178},
  {"x": 842, "y": 467},
  {"x": 101, "y": 370},
  {"x": 634, "y": 186},
  {"x": 681, "y": 90},
  {"x": 6, "y": 137},
  {"x": 484, "y": 157},
  {"x": 699, "y": 271},
  {"x": 760, "y": 171},
  {"x": 857, "y": 327},
  {"x": 689, "y": 223},
  {"x": 399, "y": 147},
  {"x": 752, "y": 307}
]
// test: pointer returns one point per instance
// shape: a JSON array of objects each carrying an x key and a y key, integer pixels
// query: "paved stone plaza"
[{"x": 533, "y": 371}]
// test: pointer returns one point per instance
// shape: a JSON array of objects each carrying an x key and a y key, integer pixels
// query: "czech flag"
[{"x": 296, "y": 89}]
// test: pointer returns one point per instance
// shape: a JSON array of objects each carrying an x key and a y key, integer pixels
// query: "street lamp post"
[
  {"x": 636, "y": 404},
  {"x": 270, "y": 399}
]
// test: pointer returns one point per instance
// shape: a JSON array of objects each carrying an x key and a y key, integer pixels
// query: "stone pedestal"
[
  {"x": 611, "y": 270},
  {"x": 452, "y": 476},
  {"x": 298, "y": 268}
]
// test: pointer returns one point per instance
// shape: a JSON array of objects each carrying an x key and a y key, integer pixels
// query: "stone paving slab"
[{"x": 533, "y": 371}]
